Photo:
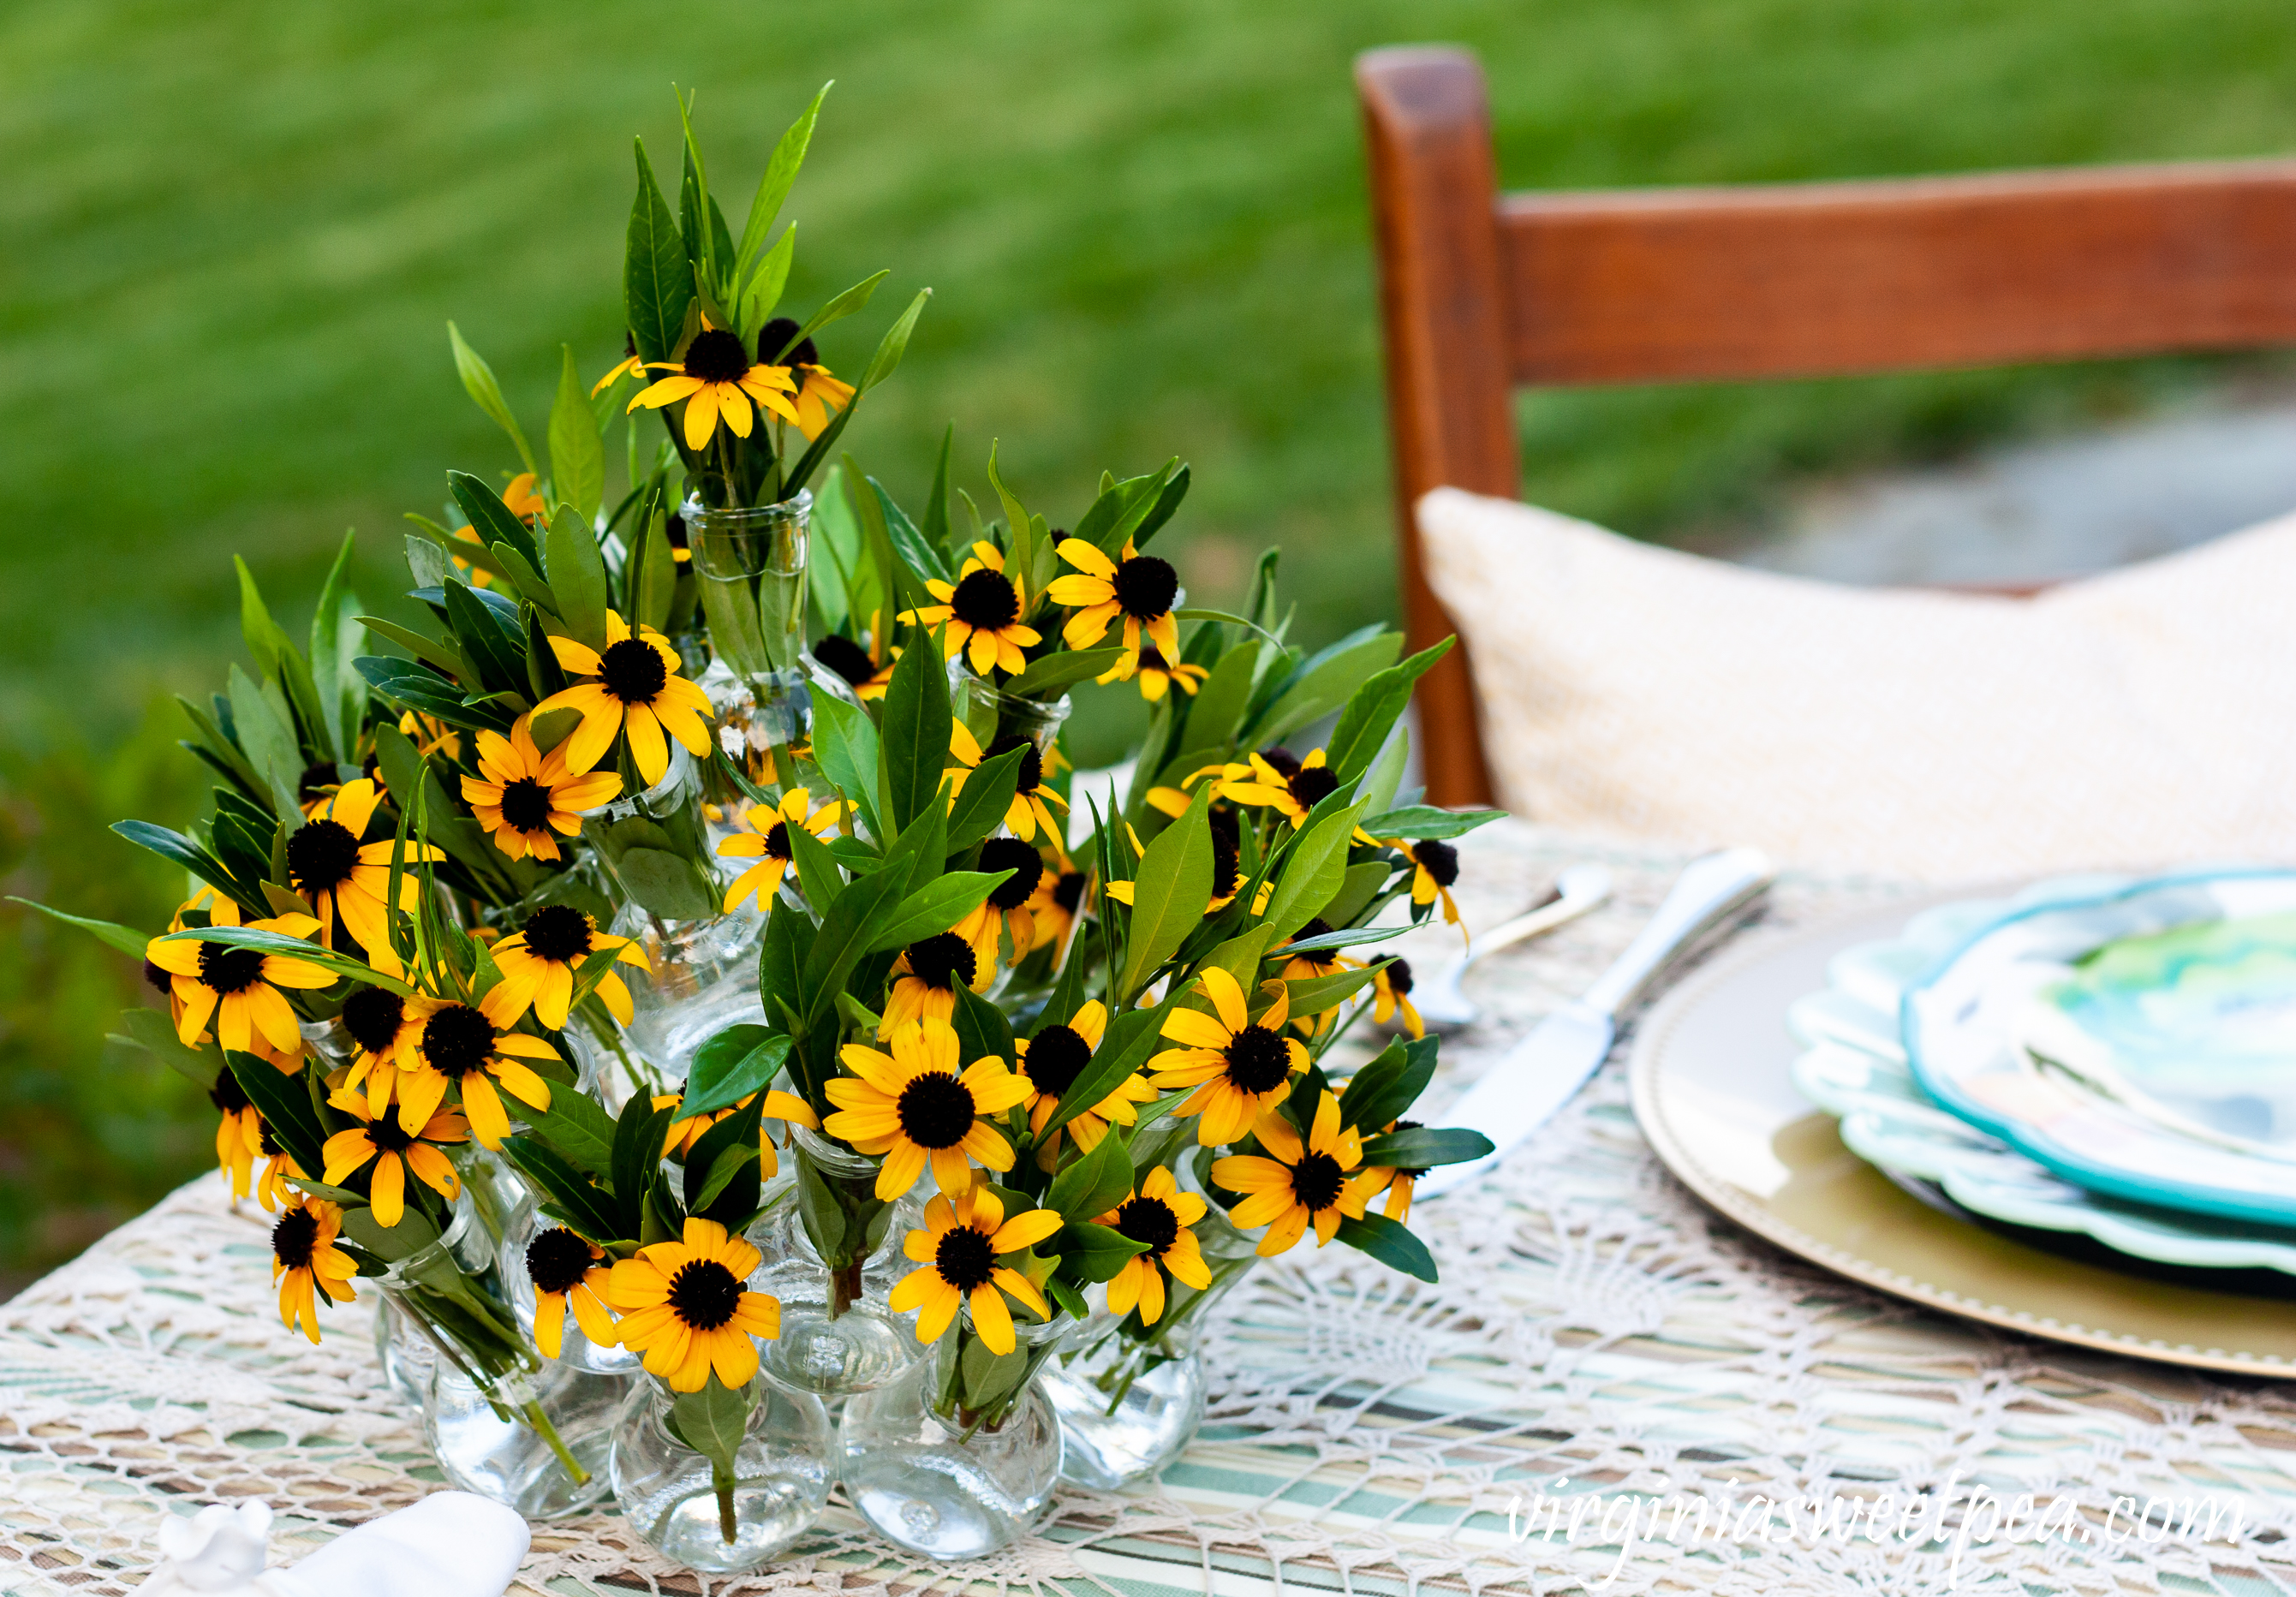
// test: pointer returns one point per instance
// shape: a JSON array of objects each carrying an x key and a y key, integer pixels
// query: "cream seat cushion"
[{"x": 2142, "y": 717}]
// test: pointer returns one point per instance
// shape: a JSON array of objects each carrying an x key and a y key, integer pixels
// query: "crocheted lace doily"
[{"x": 1365, "y": 1432}]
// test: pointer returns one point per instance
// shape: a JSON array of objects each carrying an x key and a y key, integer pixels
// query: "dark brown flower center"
[
  {"x": 317, "y": 780},
  {"x": 1258, "y": 1060},
  {"x": 295, "y": 1237},
  {"x": 1312, "y": 785},
  {"x": 1144, "y": 586},
  {"x": 388, "y": 1135},
  {"x": 987, "y": 601},
  {"x": 1316, "y": 1180},
  {"x": 526, "y": 803},
  {"x": 1228, "y": 866},
  {"x": 1408, "y": 1172},
  {"x": 775, "y": 334},
  {"x": 1152, "y": 659},
  {"x": 457, "y": 1040},
  {"x": 1032, "y": 762},
  {"x": 226, "y": 1095},
  {"x": 1285, "y": 762},
  {"x": 936, "y": 1110},
  {"x": 1010, "y": 853},
  {"x": 321, "y": 856},
  {"x": 777, "y": 841},
  {"x": 845, "y": 657},
  {"x": 1398, "y": 977},
  {"x": 1323, "y": 959},
  {"x": 556, "y": 1260},
  {"x": 158, "y": 980},
  {"x": 704, "y": 1294},
  {"x": 1067, "y": 892},
  {"x": 1440, "y": 860},
  {"x": 1149, "y": 1220},
  {"x": 226, "y": 969},
  {"x": 964, "y": 1258},
  {"x": 373, "y": 1015},
  {"x": 632, "y": 672},
  {"x": 942, "y": 961},
  {"x": 1056, "y": 1056},
  {"x": 716, "y": 356},
  {"x": 560, "y": 933}
]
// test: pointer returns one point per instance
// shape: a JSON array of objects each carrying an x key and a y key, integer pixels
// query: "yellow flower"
[
  {"x": 378, "y": 1021},
  {"x": 1297, "y": 1186},
  {"x": 912, "y": 1107},
  {"x": 681, "y": 1135},
  {"x": 271, "y": 1186},
  {"x": 634, "y": 686},
  {"x": 568, "y": 1270},
  {"x": 716, "y": 377},
  {"x": 1391, "y": 989},
  {"x": 1052, "y": 1059},
  {"x": 1396, "y": 1180},
  {"x": 1435, "y": 866},
  {"x": 393, "y": 1150},
  {"x": 1053, "y": 908},
  {"x": 818, "y": 393},
  {"x": 477, "y": 578},
  {"x": 522, "y": 501},
  {"x": 337, "y": 874},
  {"x": 305, "y": 1262},
  {"x": 684, "y": 1306},
  {"x": 1241, "y": 1067},
  {"x": 431, "y": 736},
  {"x": 867, "y": 675},
  {"x": 461, "y": 1046},
  {"x": 629, "y": 365},
  {"x": 983, "y": 609},
  {"x": 1005, "y": 910},
  {"x": 239, "y": 988},
  {"x": 522, "y": 796},
  {"x": 958, "y": 1251},
  {"x": 1157, "y": 676},
  {"x": 239, "y": 1135},
  {"x": 1315, "y": 963},
  {"x": 540, "y": 961},
  {"x": 769, "y": 843},
  {"x": 1027, "y": 812},
  {"x": 925, "y": 978},
  {"x": 1139, "y": 587},
  {"x": 1158, "y": 1214}
]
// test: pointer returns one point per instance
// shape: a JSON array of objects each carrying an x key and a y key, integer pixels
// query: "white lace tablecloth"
[{"x": 1366, "y": 1434}]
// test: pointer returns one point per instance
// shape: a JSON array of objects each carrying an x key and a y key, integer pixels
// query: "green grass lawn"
[{"x": 235, "y": 233}]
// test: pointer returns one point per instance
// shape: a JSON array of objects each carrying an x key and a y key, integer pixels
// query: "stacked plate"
[{"x": 2107, "y": 1058}]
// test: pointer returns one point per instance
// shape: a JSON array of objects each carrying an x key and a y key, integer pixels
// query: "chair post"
[{"x": 1434, "y": 197}]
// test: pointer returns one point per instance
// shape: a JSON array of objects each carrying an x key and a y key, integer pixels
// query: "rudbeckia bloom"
[
  {"x": 393, "y": 1150},
  {"x": 1295, "y": 1186},
  {"x": 336, "y": 874},
  {"x": 1315, "y": 963},
  {"x": 1007, "y": 907},
  {"x": 769, "y": 843},
  {"x": 1241, "y": 1067},
  {"x": 629, "y": 365},
  {"x": 1139, "y": 587},
  {"x": 716, "y": 377},
  {"x": 1052, "y": 1059},
  {"x": 460, "y": 1045},
  {"x": 681, "y": 1135},
  {"x": 1027, "y": 812},
  {"x": 518, "y": 498},
  {"x": 1158, "y": 1214},
  {"x": 912, "y": 1107},
  {"x": 863, "y": 672},
  {"x": 305, "y": 1262},
  {"x": 1391, "y": 986},
  {"x": 1435, "y": 866},
  {"x": 378, "y": 1021},
  {"x": 1158, "y": 675},
  {"x": 684, "y": 1306},
  {"x": 816, "y": 393},
  {"x": 239, "y": 988},
  {"x": 1294, "y": 793},
  {"x": 634, "y": 686},
  {"x": 568, "y": 1271},
  {"x": 1396, "y": 1180},
  {"x": 958, "y": 1251},
  {"x": 239, "y": 1137},
  {"x": 1053, "y": 907},
  {"x": 477, "y": 578},
  {"x": 431, "y": 736},
  {"x": 271, "y": 1186},
  {"x": 522, "y": 796},
  {"x": 925, "y": 978},
  {"x": 983, "y": 611},
  {"x": 542, "y": 958}
]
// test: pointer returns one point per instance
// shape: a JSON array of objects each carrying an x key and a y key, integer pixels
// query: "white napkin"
[{"x": 449, "y": 1545}]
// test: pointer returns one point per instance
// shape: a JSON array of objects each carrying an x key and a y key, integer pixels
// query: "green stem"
[
  {"x": 549, "y": 1433},
  {"x": 721, "y": 1481}
]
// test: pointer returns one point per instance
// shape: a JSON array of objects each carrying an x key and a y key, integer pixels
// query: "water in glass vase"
[{"x": 781, "y": 1480}]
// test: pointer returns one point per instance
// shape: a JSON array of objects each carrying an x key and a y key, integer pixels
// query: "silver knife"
[{"x": 1517, "y": 1095}]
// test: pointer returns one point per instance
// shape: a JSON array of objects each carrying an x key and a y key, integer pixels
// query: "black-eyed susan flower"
[
  {"x": 816, "y": 394},
  {"x": 541, "y": 960},
  {"x": 279, "y": 1167},
  {"x": 430, "y": 735},
  {"x": 1241, "y": 1067},
  {"x": 477, "y": 578},
  {"x": 1292, "y": 793},
  {"x": 305, "y": 1261},
  {"x": 767, "y": 842},
  {"x": 632, "y": 686},
  {"x": 684, "y": 1306},
  {"x": 1157, "y": 1216},
  {"x": 1310, "y": 963},
  {"x": 914, "y": 1107},
  {"x": 957, "y": 1253},
  {"x": 238, "y": 989},
  {"x": 339, "y": 876},
  {"x": 1138, "y": 587},
  {"x": 526, "y": 799},
  {"x": 629, "y": 365},
  {"x": 1296, "y": 1185},
  {"x": 1158, "y": 675},
  {"x": 378, "y": 1022},
  {"x": 926, "y": 977},
  {"x": 683, "y": 1133},
  {"x": 568, "y": 1270},
  {"x": 518, "y": 498},
  {"x": 1391, "y": 986},
  {"x": 1396, "y": 1180},
  {"x": 1435, "y": 866},
  {"x": 394, "y": 1151},
  {"x": 1054, "y": 907},
  {"x": 862, "y": 671},
  {"x": 1050, "y": 1061},
  {"x": 1026, "y": 813},
  {"x": 239, "y": 1135},
  {"x": 716, "y": 377},
  {"x": 1005, "y": 910},
  {"x": 983, "y": 609},
  {"x": 470, "y": 1047}
]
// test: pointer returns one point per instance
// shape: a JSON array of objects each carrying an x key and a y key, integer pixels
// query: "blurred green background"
[{"x": 235, "y": 232}]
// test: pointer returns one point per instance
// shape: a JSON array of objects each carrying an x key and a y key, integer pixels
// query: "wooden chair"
[{"x": 1480, "y": 291}]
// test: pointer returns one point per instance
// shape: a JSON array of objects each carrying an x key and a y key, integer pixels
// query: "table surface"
[{"x": 1594, "y": 1326}]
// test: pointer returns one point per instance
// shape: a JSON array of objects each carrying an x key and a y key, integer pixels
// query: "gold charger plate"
[{"x": 1708, "y": 1070}]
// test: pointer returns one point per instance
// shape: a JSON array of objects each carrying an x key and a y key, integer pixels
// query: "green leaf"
[
  {"x": 665, "y": 883},
  {"x": 1348, "y": 939},
  {"x": 500, "y": 658},
  {"x": 1170, "y": 892},
  {"x": 1096, "y": 1183},
  {"x": 179, "y": 850},
  {"x": 1360, "y": 887},
  {"x": 578, "y": 458},
  {"x": 1389, "y": 1242},
  {"x": 914, "y": 731},
  {"x": 845, "y": 747},
  {"x": 591, "y": 1208},
  {"x": 1062, "y": 669},
  {"x": 1131, "y": 1037},
  {"x": 816, "y": 866},
  {"x": 1324, "y": 682},
  {"x": 887, "y": 359},
  {"x": 655, "y": 573},
  {"x": 923, "y": 556},
  {"x": 577, "y": 1129},
  {"x": 1167, "y": 504},
  {"x": 478, "y": 382},
  {"x": 1019, "y": 557},
  {"x": 279, "y": 942},
  {"x": 713, "y": 1421},
  {"x": 148, "y": 1030},
  {"x": 126, "y": 938},
  {"x": 577, "y": 577},
  {"x": 848, "y": 925},
  {"x": 986, "y": 795},
  {"x": 1219, "y": 706},
  {"x": 491, "y": 519},
  {"x": 1420, "y": 821},
  {"x": 335, "y": 642},
  {"x": 657, "y": 276},
  {"x": 418, "y": 687},
  {"x": 265, "y": 640},
  {"x": 639, "y": 1138},
  {"x": 1315, "y": 993},
  {"x": 1093, "y": 1252},
  {"x": 1424, "y": 1146},
  {"x": 982, "y": 1031},
  {"x": 260, "y": 720},
  {"x": 1386, "y": 774},
  {"x": 1372, "y": 711},
  {"x": 853, "y": 300},
  {"x": 934, "y": 908},
  {"x": 764, "y": 291},
  {"x": 773, "y": 187},
  {"x": 935, "y": 526},
  {"x": 715, "y": 1163},
  {"x": 1313, "y": 872},
  {"x": 285, "y": 1105}
]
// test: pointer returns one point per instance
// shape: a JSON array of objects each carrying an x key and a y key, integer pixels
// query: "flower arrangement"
[{"x": 1064, "y": 1051}]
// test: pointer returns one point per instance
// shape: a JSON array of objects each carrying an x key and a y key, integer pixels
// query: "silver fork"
[{"x": 1444, "y": 1005}]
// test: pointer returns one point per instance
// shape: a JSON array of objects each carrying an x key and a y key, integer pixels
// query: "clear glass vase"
[
  {"x": 960, "y": 1456},
  {"x": 653, "y": 847},
  {"x": 702, "y": 977},
  {"x": 575, "y": 1346},
  {"x": 750, "y": 566},
  {"x": 840, "y": 1334},
  {"x": 404, "y": 1355},
  {"x": 993, "y": 715},
  {"x": 782, "y": 1470}
]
